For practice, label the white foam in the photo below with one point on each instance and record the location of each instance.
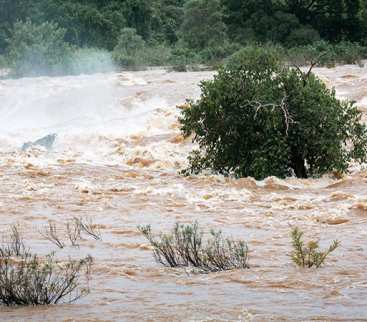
(87, 112)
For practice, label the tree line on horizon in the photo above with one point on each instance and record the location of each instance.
(210, 29)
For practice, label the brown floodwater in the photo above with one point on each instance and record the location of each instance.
(116, 161)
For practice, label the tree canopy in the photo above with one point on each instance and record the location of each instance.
(259, 118)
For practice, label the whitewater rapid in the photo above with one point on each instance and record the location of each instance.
(116, 161)
(91, 114)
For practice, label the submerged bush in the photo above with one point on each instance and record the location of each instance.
(15, 246)
(259, 118)
(34, 281)
(185, 247)
(309, 255)
(75, 228)
(27, 279)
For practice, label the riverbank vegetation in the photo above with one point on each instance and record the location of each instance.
(68, 37)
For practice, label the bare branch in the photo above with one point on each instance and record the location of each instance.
(73, 230)
(89, 227)
(304, 75)
(50, 233)
(283, 106)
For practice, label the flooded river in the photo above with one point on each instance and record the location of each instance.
(116, 160)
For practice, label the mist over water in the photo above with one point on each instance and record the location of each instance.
(79, 109)
(116, 160)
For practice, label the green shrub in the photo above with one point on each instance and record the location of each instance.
(181, 57)
(349, 53)
(268, 54)
(258, 118)
(213, 54)
(327, 54)
(302, 36)
(309, 255)
(157, 55)
(128, 50)
(38, 49)
(185, 247)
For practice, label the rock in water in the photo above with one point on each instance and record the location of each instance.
(46, 142)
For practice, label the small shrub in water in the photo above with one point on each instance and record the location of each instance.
(15, 247)
(309, 255)
(74, 230)
(27, 279)
(185, 247)
(51, 234)
(87, 226)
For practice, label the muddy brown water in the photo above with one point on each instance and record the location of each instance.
(116, 161)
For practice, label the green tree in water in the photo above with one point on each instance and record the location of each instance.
(258, 118)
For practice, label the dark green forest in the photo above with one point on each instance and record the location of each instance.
(177, 32)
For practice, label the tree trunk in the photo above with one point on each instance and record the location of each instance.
(298, 165)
